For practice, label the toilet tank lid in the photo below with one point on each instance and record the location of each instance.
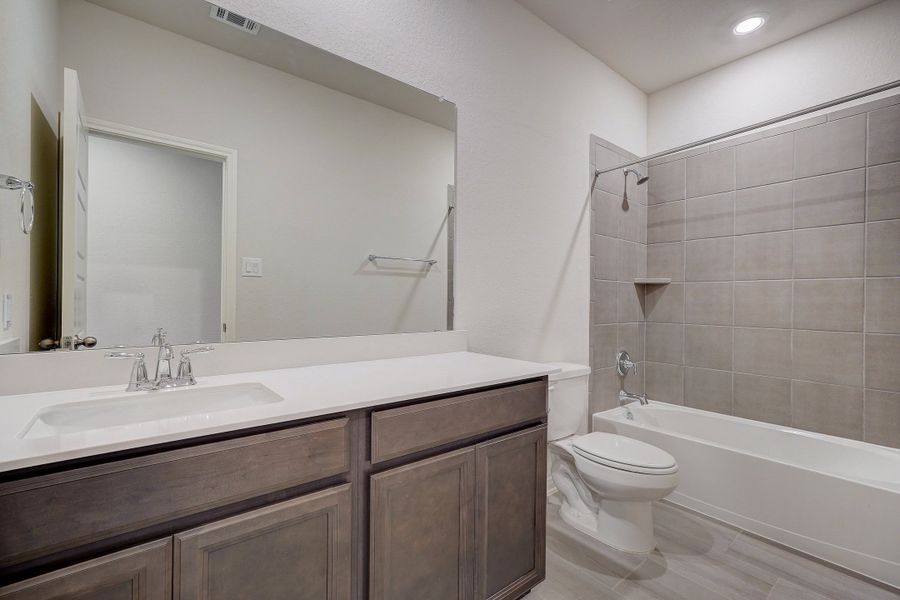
(568, 370)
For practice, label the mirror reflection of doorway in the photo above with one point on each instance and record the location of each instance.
(155, 242)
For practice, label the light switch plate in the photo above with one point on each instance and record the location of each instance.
(251, 267)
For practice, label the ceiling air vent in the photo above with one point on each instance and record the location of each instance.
(235, 20)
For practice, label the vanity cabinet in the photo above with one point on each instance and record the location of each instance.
(140, 573)
(462, 525)
(297, 550)
(440, 498)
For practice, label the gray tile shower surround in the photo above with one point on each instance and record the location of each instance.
(783, 247)
(696, 559)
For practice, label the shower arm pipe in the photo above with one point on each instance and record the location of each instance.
(748, 128)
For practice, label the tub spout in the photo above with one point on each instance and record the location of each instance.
(628, 398)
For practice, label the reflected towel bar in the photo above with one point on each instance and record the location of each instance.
(26, 216)
(429, 261)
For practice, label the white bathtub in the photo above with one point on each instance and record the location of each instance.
(830, 497)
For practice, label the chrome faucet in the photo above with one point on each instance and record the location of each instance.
(628, 398)
(624, 364)
(141, 382)
(163, 377)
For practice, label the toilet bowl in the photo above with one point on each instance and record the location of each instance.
(608, 482)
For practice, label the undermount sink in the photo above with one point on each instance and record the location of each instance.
(143, 407)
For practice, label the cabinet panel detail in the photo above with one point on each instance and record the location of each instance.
(407, 429)
(511, 493)
(422, 529)
(140, 573)
(42, 515)
(294, 550)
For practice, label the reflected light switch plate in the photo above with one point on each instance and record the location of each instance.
(251, 267)
(7, 311)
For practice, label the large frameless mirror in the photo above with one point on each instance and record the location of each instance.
(201, 172)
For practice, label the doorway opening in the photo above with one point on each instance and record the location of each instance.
(146, 187)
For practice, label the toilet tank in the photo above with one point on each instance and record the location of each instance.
(568, 400)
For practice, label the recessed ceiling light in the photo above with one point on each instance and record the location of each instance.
(748, 25)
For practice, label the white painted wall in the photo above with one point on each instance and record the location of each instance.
(28, 52)
(857, 52)
(324, 178)
(528, 100)
(154, 243)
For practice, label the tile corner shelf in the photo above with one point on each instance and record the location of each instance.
(652, 280)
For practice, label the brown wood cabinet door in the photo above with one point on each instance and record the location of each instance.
(140, 573)
(422, 530)
(294, 550)
(511, 495)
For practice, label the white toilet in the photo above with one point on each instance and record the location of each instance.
(608, 482)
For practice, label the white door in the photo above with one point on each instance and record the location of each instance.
(73, 259)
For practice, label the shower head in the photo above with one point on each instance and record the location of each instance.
(641, 179)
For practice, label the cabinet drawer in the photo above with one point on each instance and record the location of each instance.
(400, 431)
(47, 514)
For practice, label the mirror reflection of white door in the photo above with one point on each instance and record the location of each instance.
(73, 259)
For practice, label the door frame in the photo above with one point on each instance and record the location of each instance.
(228, 158)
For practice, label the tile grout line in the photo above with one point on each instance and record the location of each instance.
(592, 152)
(684, 304)
(642, 330)
(681, 572)
(865, 272)
(793, 275)
(733, 277)
(772, 589)
(629, 574)
(734, 540)
(811, 381)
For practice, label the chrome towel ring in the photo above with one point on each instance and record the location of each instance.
(26, 215)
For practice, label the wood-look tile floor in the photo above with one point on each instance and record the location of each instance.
(696, 559)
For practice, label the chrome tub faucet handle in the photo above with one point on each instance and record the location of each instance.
(624, 363)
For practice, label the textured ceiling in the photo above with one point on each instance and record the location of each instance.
(190, 18)
(656, 43)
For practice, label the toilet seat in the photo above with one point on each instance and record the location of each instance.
(625, 454)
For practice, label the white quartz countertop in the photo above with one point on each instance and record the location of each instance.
(307, 391)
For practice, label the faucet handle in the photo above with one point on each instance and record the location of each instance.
(139, 379)
(185, 369)
(137, 355)
(159, 338)
(624, 363)
(197, 350)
